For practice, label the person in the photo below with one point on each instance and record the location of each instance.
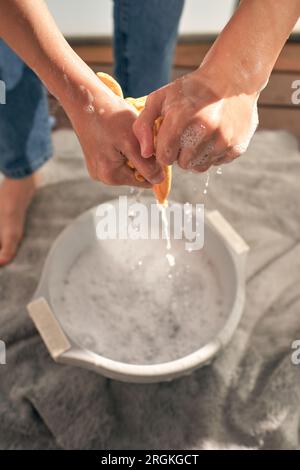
(144, 39)
(209, 115)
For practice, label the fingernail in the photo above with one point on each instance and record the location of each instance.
(146, 154)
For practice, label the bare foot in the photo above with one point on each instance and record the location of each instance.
(15, 197)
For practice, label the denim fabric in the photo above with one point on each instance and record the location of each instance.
(145, 34)
(25, 140)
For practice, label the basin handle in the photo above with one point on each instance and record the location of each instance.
(233, 239)
(48, 327)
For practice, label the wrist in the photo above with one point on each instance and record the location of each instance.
(71, 80)
(233, 75)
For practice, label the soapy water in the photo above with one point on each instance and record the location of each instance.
(134, 301)
(192, 136)
(165, 224)
(121, 299)
(137, 193)
(206, 184)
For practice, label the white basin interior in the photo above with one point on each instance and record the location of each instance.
(120, 299)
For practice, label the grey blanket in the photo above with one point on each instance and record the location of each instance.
(248, 398)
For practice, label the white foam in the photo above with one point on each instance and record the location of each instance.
(192, 136)
(140, 313)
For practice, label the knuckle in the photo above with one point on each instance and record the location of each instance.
(201, 160)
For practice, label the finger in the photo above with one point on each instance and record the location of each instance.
(220, 159)
(143, 125)
(229, 155)
(149, 168)
(168, 141)
(126, 176)
(189, 158)
(115, 171)
(202, 168)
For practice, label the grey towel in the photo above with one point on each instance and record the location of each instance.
(248, 398)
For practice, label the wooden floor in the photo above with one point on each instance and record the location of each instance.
(275, 105)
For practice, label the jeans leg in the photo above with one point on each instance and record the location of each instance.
(145, 34)
(25, 137)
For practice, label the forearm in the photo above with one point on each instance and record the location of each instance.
(29, 29)
(248, 47)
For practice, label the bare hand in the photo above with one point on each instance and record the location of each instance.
(103, 123)
(206, 121)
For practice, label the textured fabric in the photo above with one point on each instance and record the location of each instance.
(25, 140)
(145, 36)
(249, 397)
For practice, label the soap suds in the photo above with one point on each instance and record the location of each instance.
(192, 137)
(122, 299)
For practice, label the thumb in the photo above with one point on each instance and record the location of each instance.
(144, 124)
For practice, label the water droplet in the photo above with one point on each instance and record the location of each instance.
(171, 259)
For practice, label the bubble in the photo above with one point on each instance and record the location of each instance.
(192, 136)
(199, 161)
(89, 108)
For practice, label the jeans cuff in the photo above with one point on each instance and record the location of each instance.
(22, 172)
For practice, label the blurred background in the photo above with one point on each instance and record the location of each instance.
(88, 27)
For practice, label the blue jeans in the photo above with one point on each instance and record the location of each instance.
(25, 140)
(145, 35)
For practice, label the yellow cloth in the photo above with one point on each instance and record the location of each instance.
(161, 190)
